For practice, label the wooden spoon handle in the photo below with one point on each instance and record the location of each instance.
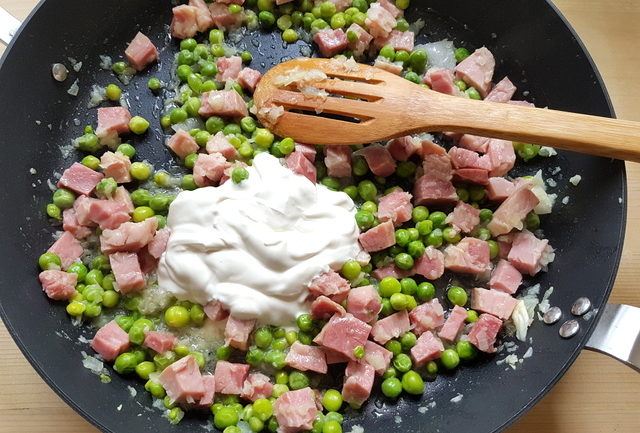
(594, 135)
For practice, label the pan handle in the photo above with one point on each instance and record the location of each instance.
(617, 334)
(9, 25)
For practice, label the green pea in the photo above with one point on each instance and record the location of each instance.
(406, 169)
(144, 369)
(426, 291)
(183, 71)
(119, 67)
(125, 363)
(461, 54)
(125, 322)
(412, 383)
(449, 359)
(364, 219)
(472, 93)
(141, 213)
(391, 387)
(486, 215)
(402, 25)
(367, 190)
(298, 380)
(106, 187)
(94, 276)
(141, 197)
(435, 238)
(402, 362)
(75, 308)
(404, 261)
(457, 296)
(266, 19)
(110, 298)
(63, 198)
(472, 316)
(196, 314)
(388, 51)
(389, 286)
(359, 167)
(358, 352)
(304, 322)
(413, 77)
(331, 427)
(451, 235)
(334, 416)
(332, 400)
(155, 389)
(438, 219)
(415, 249)
(138, 329)
(327, 10)
(483, 234)
(177, 316)
(225, 417)
(188, 183)
(331, 183)
(466, 351)
(223, 353)
(351, 191)
(54, 211)
(351, 270)
(138, 125)
(164, 360)
(418, 60)
(494, 249)
(532, 221)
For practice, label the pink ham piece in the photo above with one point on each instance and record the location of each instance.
(81, 207)
(80, 179)
(360, 45)
(295, 410)
(67, 248)
(182, 144)
(338, 160)
(70, 224)
(502, 156)
(427, 316)
(402, 148)
(454, 323)
(464, 217)
(237, 331)
(391, 8)
(108, 214)
(358, 382)
(331, 42)
(377, 357)
(185, 22)
(391, 327)
(249, 78)
(322, 308)
(395, 207)
(330, 284)
(364, 303)
(141, 52)
(298, 163)
(209, 169)
(400, 41)
(428, 147)
(158, 244)
(512, 212)
(343, 334)
(306, 358)
(474, 142)
(471, 175)
(441, 80)
(529, 254)
(228, 68)
(308, 150)
(126, 269)
(129, 236)
(159, 341)
(379, 160)
(123, 197)
(429, 190)
(378, 238)
(182, 381)
(392, 270)
(225, 103)
(484, 332)
(112, 121)
(427, 348)
(256, 386)
(494, 302)
(216, 311)
(464, 158)
(110, 341)
(501, 92)
(430, 265)
(505, 278)
(58, 284)
(219, 143)
(230, 377)
(477, 70)
(469, 256)
(204, 20)
(222, 17)
(386, 65)
(499, 188)
(116, 165)
(334, 357)
(148, 263)
(379, 21)
(209, 384)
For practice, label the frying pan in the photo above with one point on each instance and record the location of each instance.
(533, 45)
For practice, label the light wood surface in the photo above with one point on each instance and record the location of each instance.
(597, 395)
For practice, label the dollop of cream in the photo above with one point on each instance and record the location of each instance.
(256, 245)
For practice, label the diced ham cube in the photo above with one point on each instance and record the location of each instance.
(469, 256)
(222, 17)
(158, 245)
(129, 236)
(203, 16)
(377, 357)
(209, 169)
(182, 381)
(331, 42)
(379, 21)
(306, 358)
(499, 188)
(58, 284)
(108, 214)
(330, 284)
(219, 143)
(256, 386)
(338, 161)
(334, 357)
(501, 92)
(126, 268)
(494, 302)
(379, 160)
(209, 384)
(67, 248)
(82, 206)
(471, 175)
(110, 341)
(474, 142)
(477, 70)
(308, 150)
(441, 80)
(427, 316)
(437, 166)
(123, 197)
(428, 147)
(112, 121)
(70, 224)
(237, 331)
(400, 41)
(512, 212)
(529, 254)
(430, 265)
(185, 22)
(387, 65)
(402, 148)
(116, 165)
(225, 103)
(464, 158)
(296, 410)
(298, 163)
(378, 238)
(502, 156)
(323, 308)
(395, 207)
(182, 144)
(392, 270)
(391, 327)
(159, 341)
(80, 179)
(358, 382)
(484, 332)
(148, 263)
(430, 190)
(230, 377)
(364, 303)
(360, 45)
(343, 334)
(216, 311)
(454, 324)
(505, 278)
(464, 217)
(427, 348)
(249, 78)
(391, 8)
(228, 68)
(141, 52)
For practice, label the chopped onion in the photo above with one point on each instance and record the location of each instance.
(440, 54)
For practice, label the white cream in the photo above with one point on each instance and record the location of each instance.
(256, 245)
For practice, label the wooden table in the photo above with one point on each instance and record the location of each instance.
(598, 394)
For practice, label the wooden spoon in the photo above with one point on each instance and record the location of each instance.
(376, 105)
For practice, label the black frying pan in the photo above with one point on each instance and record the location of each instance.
(534, 46)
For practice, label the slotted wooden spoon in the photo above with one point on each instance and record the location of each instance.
(376, 105)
